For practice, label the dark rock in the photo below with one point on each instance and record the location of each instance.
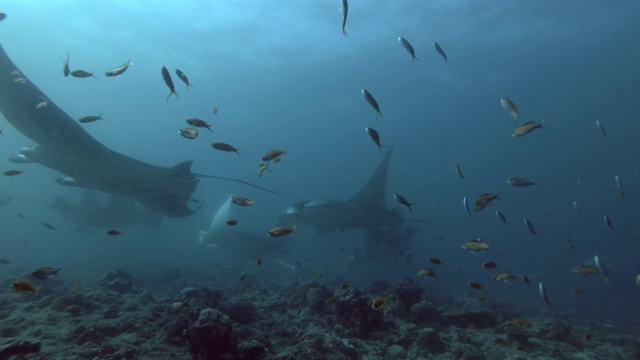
(111, 313)
(353, 310)
(117, 281)
(80, 300)
(18, 348)
(176, 328)
(430, 340)
(243, 312)
(74, 310)
(188, 293)
(408, 293)
(9, 331)
(210, 335)
(556, 330)
(380, 286)
(317, 298)
(466, 311)
(251, 350)
(423, 312)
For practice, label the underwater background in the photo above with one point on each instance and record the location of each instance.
(283, 75)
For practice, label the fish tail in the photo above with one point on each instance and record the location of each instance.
(173, 92)
(345, 33)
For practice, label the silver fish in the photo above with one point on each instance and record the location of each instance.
(119, 70)
(90, 118)
(440, 51)
(543, 294)
(530, 227)
(407, 45)
(372, 101)
(608, 222)
(167, 80)
(601, 267)
(619, 186)
(459, 171)
(188, 133)
(527, 128)
(375, 137)
(501, 216)
(466, 206)
(402, 200)
(511, 108)
(345, 13)
(602, 130)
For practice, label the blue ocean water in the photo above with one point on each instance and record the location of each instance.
(283, 76)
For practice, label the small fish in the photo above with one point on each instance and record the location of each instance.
(503, 276)
(426, 273)
(637, 280)
(167, 80)
(82, 74)
(225, 147)
(199, 123)
(403, 201)
(13, 172)
(188, 133)
(484, 200)
(176, 306)
(523, 323)
(4, 261)
(608, 222)
(232, 222)
(440, 51)
(372, 101)
(501, 216)
(44, 273)
(119, 70)
(602, 130)
(476, 245)
(273, 154)
(345, 13)
(184, 78)
(244, 275)
(261, 169)
(521, 182)
(2, 16)
(616, 178)
(90, 119)
(459, 171)
(65, 66)
(466, 206)
(489, 264)
(585, 270)
(529, 226)
(407, 45)
(48, 226)
(435, 260)
(375, 137)
(42, 104)
(378, 303)
(114, 232)
(543, 294)
(601, 267)
(24, 286)
(574, 205)
(510, 107)
(279, 231)
(524, 278)
(214, 111)
(241, 201)
(528, 127)
(475, 285)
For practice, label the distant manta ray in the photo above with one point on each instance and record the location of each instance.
(242, 242)
(63, 145)
(366, 210)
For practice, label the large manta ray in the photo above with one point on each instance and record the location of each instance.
(366, 210)
(62, 145)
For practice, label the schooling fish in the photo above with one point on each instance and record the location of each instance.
(167, 80)
(402, 200)
(82, 74)
(528, 127)
(501, 216)
(601, 267)
(372, 101)
(608, 222)
(466, 206)
(521, 182)
(44, 273)
(199, 123)
(511, 108)
(188, 133)
(619, 186)
(440, 51)
(65, 66)
(90, 119)
(375, 136)
(119, 70)
(407, 45)
(602, 130)
(345, 13)
(529, 226)
(184, 78)
(459, 171)
(543, 294)
(225, 147)
(484, 200)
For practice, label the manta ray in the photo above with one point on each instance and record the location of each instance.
(365, 210)
(120, 210)
(63, 145)
(240, 241)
